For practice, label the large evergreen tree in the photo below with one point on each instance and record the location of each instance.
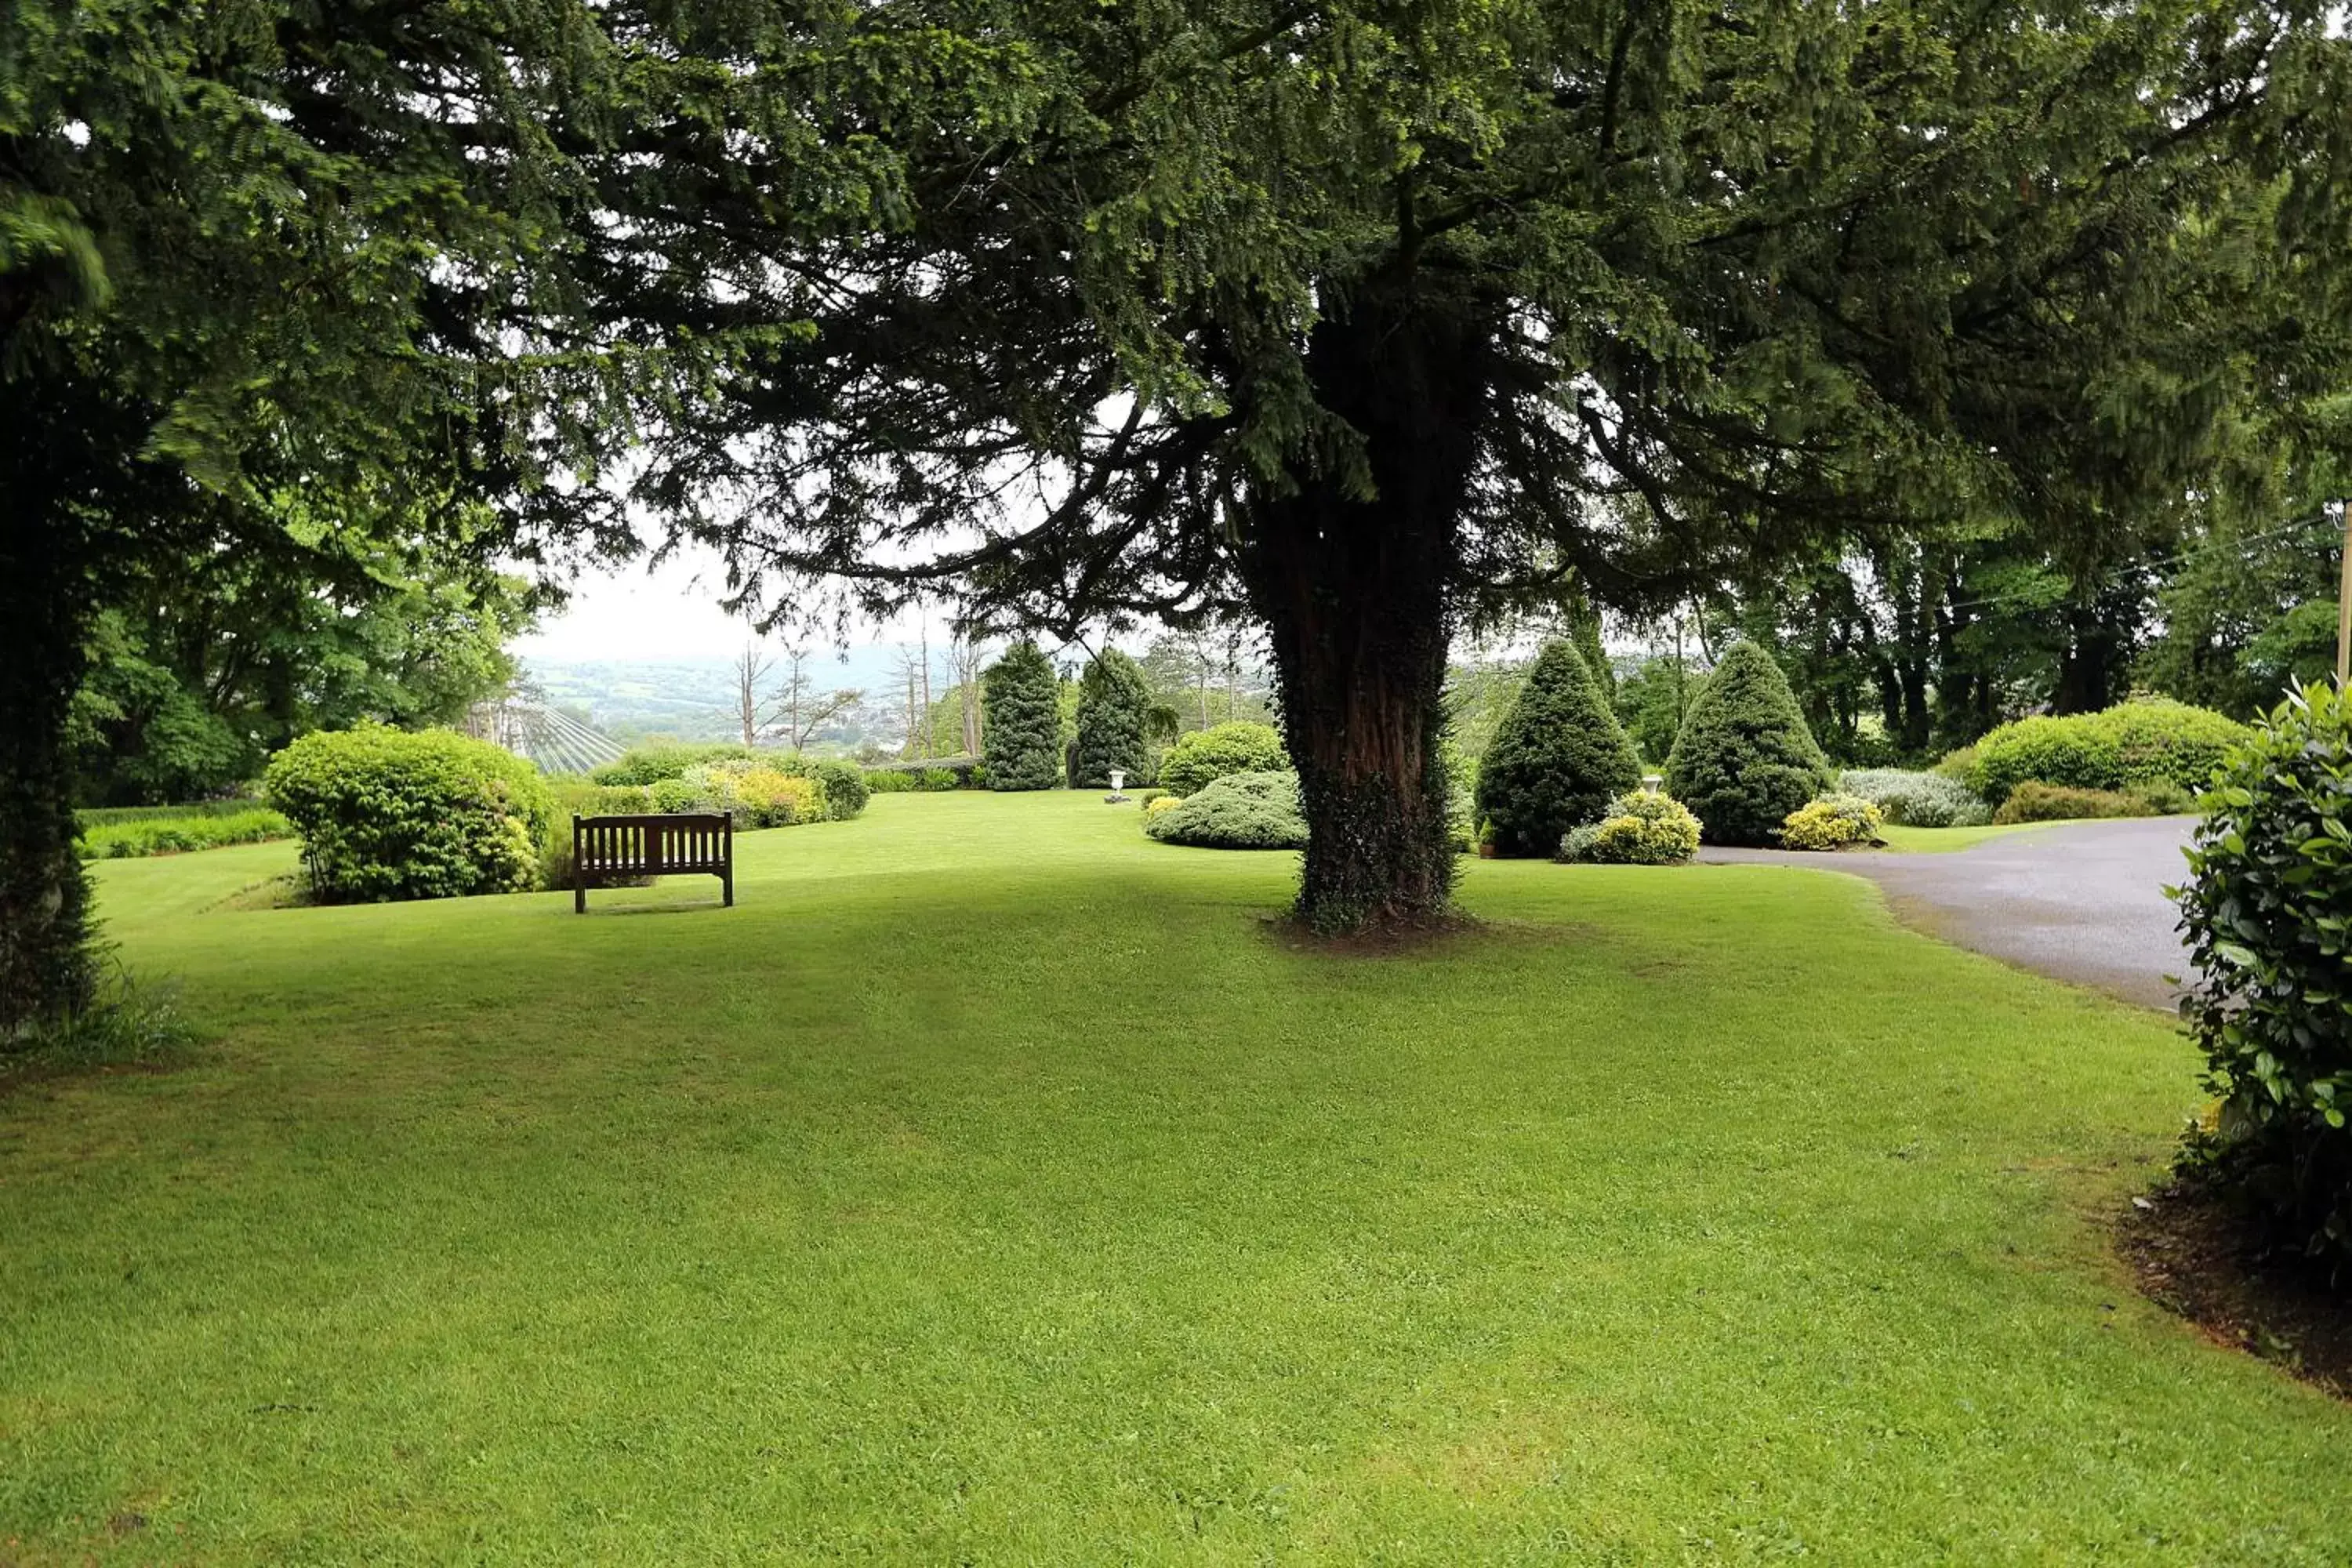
(1022, 730)
(1114, 720)
(1374, 316)
(1557, 759)
(1745, 759)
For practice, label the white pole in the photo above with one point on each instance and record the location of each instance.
(2344, 604)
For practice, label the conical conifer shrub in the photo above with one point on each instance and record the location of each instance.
(1021, 701)
(1557, 757)
(1745, 759)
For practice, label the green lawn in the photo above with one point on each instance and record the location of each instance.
(1943, 840)
(989, 1186)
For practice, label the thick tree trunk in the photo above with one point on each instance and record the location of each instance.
(47, 966)
(1355, 592)
(2086, 668)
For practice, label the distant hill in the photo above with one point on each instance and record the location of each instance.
(694, 698)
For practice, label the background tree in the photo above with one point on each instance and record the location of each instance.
(752, 666)
(1556, 758)
(1024, 731)
(1114, 721)
(800, 707)
(1374, 318)
(1745, 759)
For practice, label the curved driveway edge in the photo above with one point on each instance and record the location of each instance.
(2082, 901)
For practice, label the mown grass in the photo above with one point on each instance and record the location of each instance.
(1944, 840)
(990, 1185)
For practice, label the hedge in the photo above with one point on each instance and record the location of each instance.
(2146, 742)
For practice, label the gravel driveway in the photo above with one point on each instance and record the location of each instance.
(2080, 901)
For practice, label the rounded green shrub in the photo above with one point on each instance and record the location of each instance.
(2267, 911)
(1197, 759)
(1833, 822)
(1114, 717)
(1638, 829)
(1745, 759)
(1558, 758)
(390, 814)
(1917, 799)
(1021, 704)
(2146, 742)
(845, 789)
(1240, 811)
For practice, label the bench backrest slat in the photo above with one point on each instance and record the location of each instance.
(613, 847)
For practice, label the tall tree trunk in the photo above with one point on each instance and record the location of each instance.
(48, 968)
(2086, 668)
(1355, 594)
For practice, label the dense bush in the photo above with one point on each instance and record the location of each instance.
(172, 835)
(2267, 910)
(2141, 742)
(1558, 758)
(1240, 811)
(390, 814)
(1197, 759)
(1833, 822)
(1745, 759)
(2035, 800)
(115, 816)
(1021, 699)
(659, 760)
(888, 781)
(844, 786)
(1638, 829)
(578, 797)
(929, 774)
(1114, 721)
(1917, 799)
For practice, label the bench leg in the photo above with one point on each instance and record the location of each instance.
(726, 890)
(578, 895)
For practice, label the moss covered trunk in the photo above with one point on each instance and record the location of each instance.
(47, 966)
(1354, 582)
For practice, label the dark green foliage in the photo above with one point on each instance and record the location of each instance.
(1239, 811)
(392, 813)
(1558, 757)
(2132, 743)
(844, 788)
(929, 774)
(1745, 759)
(2035, 802)
(1651, 701)
(1115, 706)
(1202, 756)
(2267, 910)
(659, 760)
(1021, 721)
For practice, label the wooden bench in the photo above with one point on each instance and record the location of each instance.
(610, 849)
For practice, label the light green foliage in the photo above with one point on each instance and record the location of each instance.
(390, 814)
(2033, 801)
(1745, 760)
(1203, 755)
(2267, 910)
(1651, 701)
(1021, 707)
(1917, 799)
(1113, 722)
(1638, 829)
(1833, 822)
(164, 834)
(2147, 741)
(1091, 1155)
(1238, 811)
(659, 760)
(1557, 759)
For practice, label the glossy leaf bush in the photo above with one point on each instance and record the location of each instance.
(390, 813)
(2267, 911)
(2149, 742)
(1205, 755)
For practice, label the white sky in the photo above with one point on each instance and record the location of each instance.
(638, 614)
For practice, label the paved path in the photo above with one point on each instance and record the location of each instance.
(2080, 901)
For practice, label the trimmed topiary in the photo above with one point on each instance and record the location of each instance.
(389, 814)
(2267, 910)
(1204, 755)
(1558, 758)
(1021, 699)
(1240, 811)
(1745, 759)
(1114, 710)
